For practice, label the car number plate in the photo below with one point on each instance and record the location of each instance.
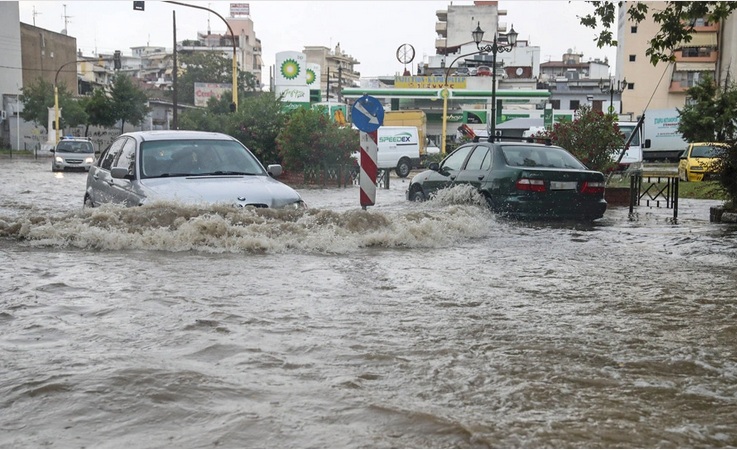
(563, 185)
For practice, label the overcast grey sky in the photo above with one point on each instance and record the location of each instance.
(370, 31)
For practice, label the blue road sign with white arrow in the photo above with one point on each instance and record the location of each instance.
(367, 114)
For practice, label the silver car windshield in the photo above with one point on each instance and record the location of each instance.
(199, 157)
(74, 147)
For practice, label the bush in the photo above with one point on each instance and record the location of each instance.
(593, 137)
(310, 138)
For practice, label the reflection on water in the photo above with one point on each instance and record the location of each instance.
(406, 325)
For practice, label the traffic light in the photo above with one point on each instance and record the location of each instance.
(116, 60)
(138, 6)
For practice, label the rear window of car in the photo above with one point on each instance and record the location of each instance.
(531, 156)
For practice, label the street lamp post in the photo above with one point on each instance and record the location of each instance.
(621, 85)
(56, 97)
(495, 47)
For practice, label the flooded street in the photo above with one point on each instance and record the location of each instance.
(408, 325)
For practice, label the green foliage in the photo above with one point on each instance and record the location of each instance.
(99, 110)
(310, 138)
(257, 123)
(128, 101)
(675, 20)
(709, 116)
(38, 96)
(593, 137)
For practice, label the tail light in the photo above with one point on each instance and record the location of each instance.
(592, 187)
(528, 184)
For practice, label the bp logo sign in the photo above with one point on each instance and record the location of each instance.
(290, 69)
(310, 76)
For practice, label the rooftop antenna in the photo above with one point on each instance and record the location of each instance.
(35, 13)
(209, 6)
(66, 20)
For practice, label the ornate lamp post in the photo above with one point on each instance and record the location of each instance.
(621, 85)
(495, 47)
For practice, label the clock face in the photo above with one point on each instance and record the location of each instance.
(519, 71)
(405, 53)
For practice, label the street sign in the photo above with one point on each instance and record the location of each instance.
(367, 114)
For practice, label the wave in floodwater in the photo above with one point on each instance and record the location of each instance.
(457, 213)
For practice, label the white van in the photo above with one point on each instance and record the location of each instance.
(398, 149)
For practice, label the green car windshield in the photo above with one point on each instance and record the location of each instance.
(532, 156)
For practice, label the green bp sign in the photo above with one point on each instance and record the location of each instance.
(291, 69)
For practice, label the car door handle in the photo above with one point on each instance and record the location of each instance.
(452, 178)
(481, 177)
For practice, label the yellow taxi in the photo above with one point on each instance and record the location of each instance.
(698, 162)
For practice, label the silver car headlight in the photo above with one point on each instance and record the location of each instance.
(59, 159)
(296, 205)
(89, 160)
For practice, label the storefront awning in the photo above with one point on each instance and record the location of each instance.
(701, 40)
(695, 67)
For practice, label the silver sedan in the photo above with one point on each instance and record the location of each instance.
(187, 167)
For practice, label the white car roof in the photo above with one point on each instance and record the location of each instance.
(168, 135)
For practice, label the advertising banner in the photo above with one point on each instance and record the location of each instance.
(293, 96)
(240, 9)
(434, 82)
(291, 69)
(203, 92)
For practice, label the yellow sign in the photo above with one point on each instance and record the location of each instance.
(434, 82)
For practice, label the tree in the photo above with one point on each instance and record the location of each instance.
(710, 115)
(676, 22)
(128, 101)
(38, 97)
(201, 67)
(310, 138)
(257, 123)
(99, 110)
(593, 137)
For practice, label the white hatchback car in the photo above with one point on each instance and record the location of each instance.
(187, 167)
(72, 153)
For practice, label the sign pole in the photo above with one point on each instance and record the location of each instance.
(369, 168)
(367, 115)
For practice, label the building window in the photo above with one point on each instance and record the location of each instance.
(555, 104)
(633, 58)
(691, 52)
(630, 86)
(575, 104)
(633, 29)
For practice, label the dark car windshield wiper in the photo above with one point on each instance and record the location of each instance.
(226, 172)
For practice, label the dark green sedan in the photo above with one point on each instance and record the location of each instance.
(519, 179)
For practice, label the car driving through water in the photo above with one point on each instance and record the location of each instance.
(187, 167)
(519, 179)
(72, 153)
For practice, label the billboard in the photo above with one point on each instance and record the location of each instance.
(240, 9)
(291, 69)
(203, 92)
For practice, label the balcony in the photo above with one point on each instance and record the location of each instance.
(442, 15)
(442, 28)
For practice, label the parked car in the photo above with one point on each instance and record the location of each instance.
(483, 71)
(187, 167)
(461, 72)
(698, 162)
(519, 179)
(72, 153)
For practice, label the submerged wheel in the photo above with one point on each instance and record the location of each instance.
(416, 194)
(403, 168)
(88, 202)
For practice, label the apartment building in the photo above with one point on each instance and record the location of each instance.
(711, 51)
